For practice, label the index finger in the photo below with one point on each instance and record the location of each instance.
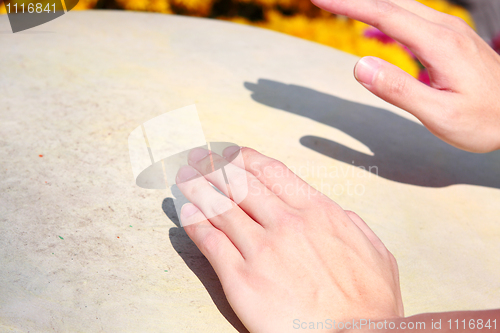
(411, 28)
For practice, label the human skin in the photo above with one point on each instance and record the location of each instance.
(461, 105)
(285, 255)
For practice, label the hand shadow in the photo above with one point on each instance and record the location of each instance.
(404, 151)
(197, 262)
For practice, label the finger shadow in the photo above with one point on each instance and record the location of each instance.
(199, 265)
(403, 151)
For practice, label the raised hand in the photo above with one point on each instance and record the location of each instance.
(462, 104)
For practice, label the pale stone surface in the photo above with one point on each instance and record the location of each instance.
(74, 88)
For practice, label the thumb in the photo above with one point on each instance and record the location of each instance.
(397, 87)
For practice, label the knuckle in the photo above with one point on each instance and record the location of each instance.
(391, 259)
(352, 214)
(248, 154)
(205, 167)
(238, 179)
(334, 213)
(384, 9)
(273, 167)
(268, 169)
(457, 22)
(211, 242)
(397, 85)
(257, 169)
(264, 248)
(462, 42)
(328, 206)
(262, 166)
(194, 191)
(216, 162)
(290, 221)
(385, 254)
(457, 40)
(220, 206)
(250, 158)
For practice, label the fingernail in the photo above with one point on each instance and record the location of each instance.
(321, 3)
(197, 155)
(229, 151)
(365, 69)
(185, 173)
(188, 210)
